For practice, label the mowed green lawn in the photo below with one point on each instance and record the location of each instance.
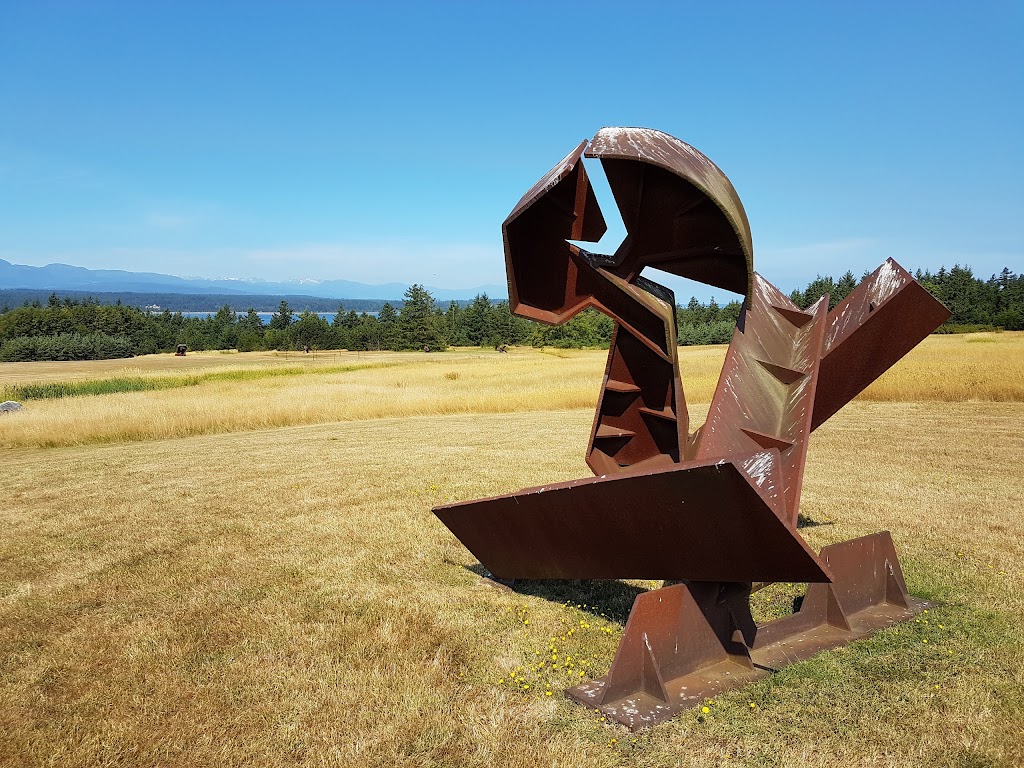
(285, 597)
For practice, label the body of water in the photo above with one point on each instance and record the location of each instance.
(265, 316)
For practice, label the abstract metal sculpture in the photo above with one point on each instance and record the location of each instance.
(715, 509)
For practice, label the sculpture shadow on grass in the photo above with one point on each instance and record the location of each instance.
(608, 598)
(804, 521)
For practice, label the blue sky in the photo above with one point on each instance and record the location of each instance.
(387, 141)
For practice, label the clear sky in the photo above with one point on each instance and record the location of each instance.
(387, 142)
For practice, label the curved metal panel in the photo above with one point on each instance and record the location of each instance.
(688, 241)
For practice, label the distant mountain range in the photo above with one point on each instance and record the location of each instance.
(64, 277)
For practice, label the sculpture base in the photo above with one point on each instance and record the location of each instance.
(689, 642)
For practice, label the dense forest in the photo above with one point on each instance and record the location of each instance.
(74, 329)
(71, 329)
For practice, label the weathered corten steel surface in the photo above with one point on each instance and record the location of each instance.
(548, 278)
(716, 508)
(765, 396)
(683, 216)
(885, 317)
(641, 419)
(681, 212)
(644, 524)
(682, 644)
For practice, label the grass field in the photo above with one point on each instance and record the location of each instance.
(164, 397)
(245, 570)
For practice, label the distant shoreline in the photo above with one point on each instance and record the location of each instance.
(200, 302)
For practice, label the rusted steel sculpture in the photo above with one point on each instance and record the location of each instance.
(715, 509)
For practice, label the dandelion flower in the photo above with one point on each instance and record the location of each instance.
(705, 710)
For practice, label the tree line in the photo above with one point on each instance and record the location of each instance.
(72, 329)
(976, 304)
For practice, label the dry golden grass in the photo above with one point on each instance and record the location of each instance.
(410, 386)
(284, 597)
(157, 365)
(946, 368)
(957, 368)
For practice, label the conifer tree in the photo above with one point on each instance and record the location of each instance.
(281, 319)
(417, 321)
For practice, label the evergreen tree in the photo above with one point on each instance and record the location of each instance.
(365, 333)
(455, 326)
(818, 288)
(339, 313)
(508, 329)
(478, 321)
(281, 319)
(711, 313)
(844, 287)
(250, 332)
(1005, 279)
(417, 321)
(252, 322)
(225, 316)
(310, 330)
(222, 333)
(389, 332)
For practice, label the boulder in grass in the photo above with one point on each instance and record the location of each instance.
(9, 405)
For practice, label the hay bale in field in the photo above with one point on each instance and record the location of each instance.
(9, 405)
